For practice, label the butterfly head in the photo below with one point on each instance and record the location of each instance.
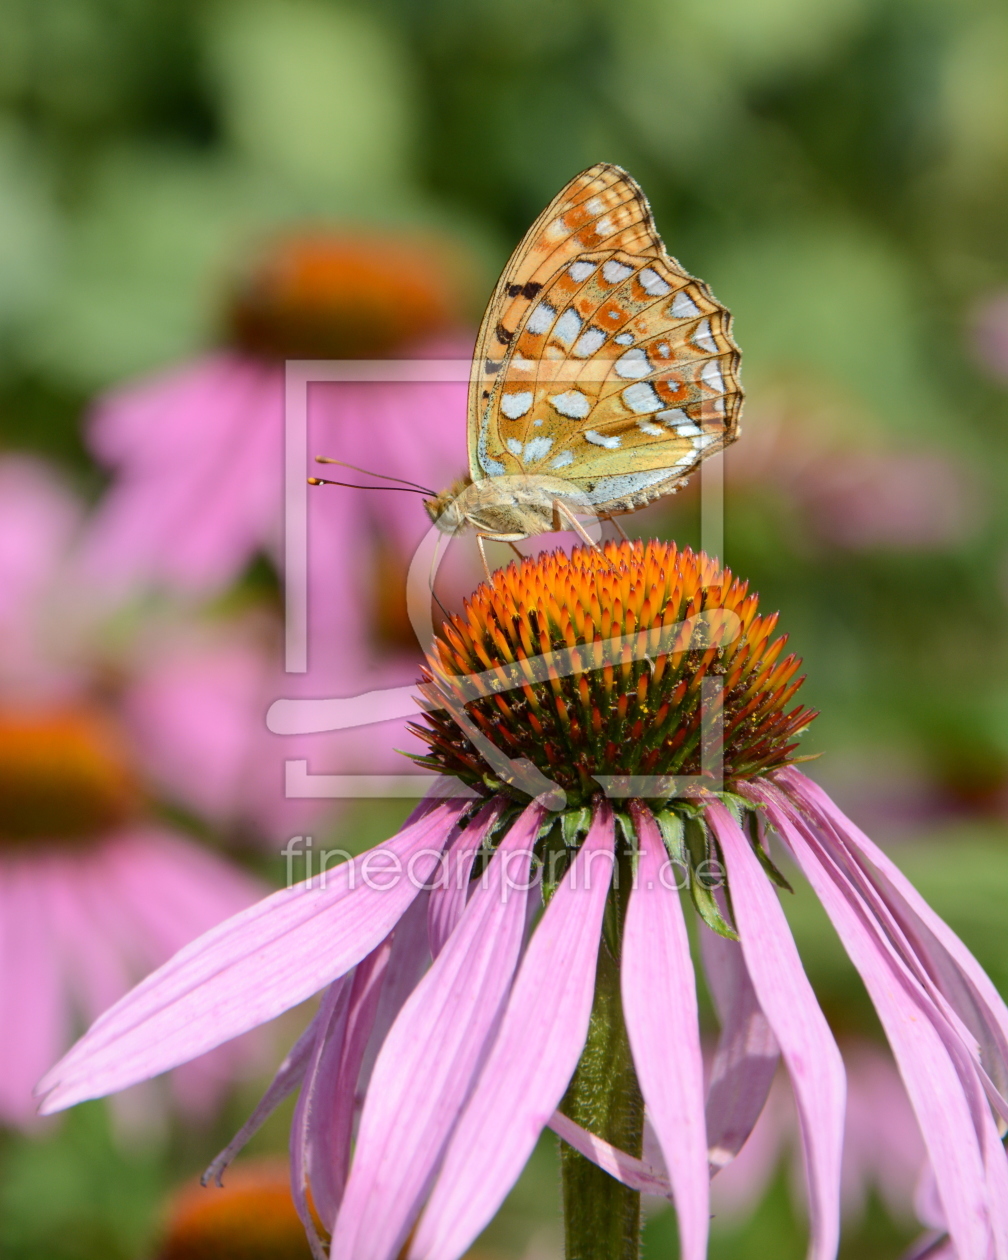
(447, 509)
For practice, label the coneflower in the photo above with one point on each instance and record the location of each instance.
(648, 672)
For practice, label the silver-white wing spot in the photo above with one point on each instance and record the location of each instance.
(573, 404)
(623, 339)
(568, 326)
(537, 449)
(604, 227)
(704, 338)
(642, 398)
(653, 284)
(608, 488)
(652, 430)
(595, 205)
(683, 306)
(711, 376)
(689, 430)
(563, 459)
(704, 440)
(674, 415)
(514, 446)
(520, 364)
(613, 272)
(541, 319)
(589, 342)
(516, 405)
(633, 365)
(580, 270)
(610, 441)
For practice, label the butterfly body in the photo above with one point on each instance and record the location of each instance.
(604, 372)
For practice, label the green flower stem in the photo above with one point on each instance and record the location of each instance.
(602, 1216)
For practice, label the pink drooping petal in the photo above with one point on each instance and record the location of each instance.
(432, 1055)
(448, 897)
(96, 969)
(195, 712)
(740, 1186)
(903, 950)
(964, 983)
(329, 1028)
(32, 998)
(660, 1008)
(409, 959)
(541, 1037)
(287, 1078)
(199, 451)
(253, 967)
(996, 1165)
(958, 1039)
(933, 1084)
(333, 1104)
(747, 1052)
(785, 995)
(638, 1174)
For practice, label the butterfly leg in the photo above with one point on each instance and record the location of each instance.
(564, 518)
(483, 556)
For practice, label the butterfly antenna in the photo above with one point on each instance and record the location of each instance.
(326, 459)
(350, 485)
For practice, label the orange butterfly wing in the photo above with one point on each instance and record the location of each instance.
(600, 360)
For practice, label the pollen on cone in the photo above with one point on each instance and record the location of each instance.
(595, 664)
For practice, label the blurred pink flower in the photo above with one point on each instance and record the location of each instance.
(990, 335)
(856, 495)
(199, 452)
(883, 1150)
(198, 457)
(94, 892)
(198, 461)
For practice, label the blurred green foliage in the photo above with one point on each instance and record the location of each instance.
(836, 169)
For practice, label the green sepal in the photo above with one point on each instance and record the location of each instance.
(626, 825)
(736, 805)
(704, 900)
(574, 824)
(670, 824)
(556, 856)
(764, 858)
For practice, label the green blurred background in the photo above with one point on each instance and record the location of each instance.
(837, 170)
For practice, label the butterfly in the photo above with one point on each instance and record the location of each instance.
(603, 374)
